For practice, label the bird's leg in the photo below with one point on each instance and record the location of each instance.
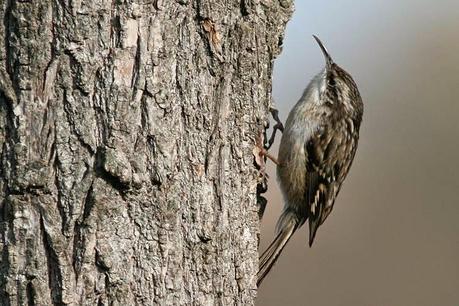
(265, 147)
(263, 152)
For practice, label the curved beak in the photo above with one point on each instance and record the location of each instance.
(327, 56)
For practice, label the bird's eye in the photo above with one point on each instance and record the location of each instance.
(331, 82)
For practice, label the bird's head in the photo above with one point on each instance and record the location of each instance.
(337, 86)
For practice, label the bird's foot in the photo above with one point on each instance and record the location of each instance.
(260, 151)
(278, 126)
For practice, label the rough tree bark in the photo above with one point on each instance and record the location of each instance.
(126, 137)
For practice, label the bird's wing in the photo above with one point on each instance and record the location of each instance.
(323, 168)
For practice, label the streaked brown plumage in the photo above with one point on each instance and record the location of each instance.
(316, 151)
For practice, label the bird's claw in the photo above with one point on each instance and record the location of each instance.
(278, 126)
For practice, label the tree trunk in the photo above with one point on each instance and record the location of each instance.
(126, 137)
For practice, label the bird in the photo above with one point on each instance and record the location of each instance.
(316, 151)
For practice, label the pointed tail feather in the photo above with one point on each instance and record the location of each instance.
(287, 225)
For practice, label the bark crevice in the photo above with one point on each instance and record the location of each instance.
(8, 26)
(52, 260)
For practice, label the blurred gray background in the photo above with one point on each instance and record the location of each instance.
(393, 236)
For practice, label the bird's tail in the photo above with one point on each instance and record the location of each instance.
(286, 226)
